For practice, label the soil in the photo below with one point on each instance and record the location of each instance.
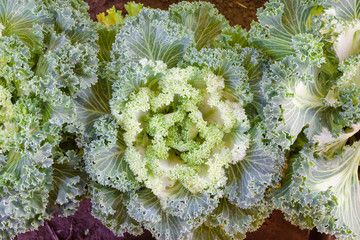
(238, 12)
(80, 226)
(83, 226)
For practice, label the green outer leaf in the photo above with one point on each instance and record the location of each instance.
(255, 65)
(340, 175)
(249, 179)
(109, 205)
(232, 37)
(18, 19)
(346, 9)
(25, 182)
(226, 63)
(145, 207)
(237, 221)
(129, 80)
(188, 206)
(279, 22)
(105, 42)
(202, 18)
(69, 67)
(105, 162)
(17, 160)
(15, 65)
(303, 199)
(69, 183)
(60, 112)
(206, 232)
(91, 104)
(290, 198)
(71, 17)
(153, 36)
(297, 97)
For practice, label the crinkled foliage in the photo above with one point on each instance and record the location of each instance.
(180, 121)
(47, 55)
(173, 132)
(312, 109)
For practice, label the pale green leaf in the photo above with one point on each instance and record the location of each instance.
(153, 36)
(249, 179)
(109, 205)
(145, 207)
(106, 163)
(91, 104)
(202, 18)
(279, 22)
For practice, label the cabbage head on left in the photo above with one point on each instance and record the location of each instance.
(47, 55)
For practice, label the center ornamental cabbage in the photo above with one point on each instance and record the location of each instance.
(173, 133)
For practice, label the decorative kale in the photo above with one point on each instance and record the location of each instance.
(178, 123)
(312, 93)
(173, 132)
(47, 55)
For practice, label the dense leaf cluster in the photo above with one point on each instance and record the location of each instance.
(312, 94)
(177, 122)
(47, 55)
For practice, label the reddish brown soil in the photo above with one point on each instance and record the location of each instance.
(82, 226)
(79, 226)
(277, 228)
(238, 12)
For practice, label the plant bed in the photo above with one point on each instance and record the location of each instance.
(82, 225)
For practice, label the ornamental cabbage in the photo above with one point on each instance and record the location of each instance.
(173, 131)
(47, 55)
(312, 93)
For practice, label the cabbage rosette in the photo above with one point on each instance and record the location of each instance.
(313, 110)
(46, 57)
(173, 132)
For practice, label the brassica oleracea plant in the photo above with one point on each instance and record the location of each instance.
(47, 55)
(312, 93)
(176, 122)
(173, 133)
